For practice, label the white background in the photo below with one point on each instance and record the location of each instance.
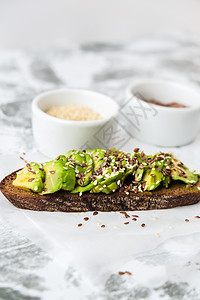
(43, 23)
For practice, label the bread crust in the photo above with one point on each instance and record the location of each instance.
(161, 198)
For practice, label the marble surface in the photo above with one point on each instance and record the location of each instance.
(27, 271)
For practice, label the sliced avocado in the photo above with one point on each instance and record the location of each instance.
(69, 176)
(113, 177)
(58, 175)
(153, 179)
(142, 165)
(30, 178)
(83, 165)
(69, 180)
(166, 180)
(159, 172)
(100, 170)
(138, 174)
(106, 182)
(98, 157)
(110, 188)
(82, 189)
(180, 172)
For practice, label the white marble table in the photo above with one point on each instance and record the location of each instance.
(27, 271)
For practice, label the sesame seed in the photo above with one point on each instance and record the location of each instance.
(35, 188)
(126, 223)
(79, 225)
(153, 218)
(157, 234)
(80, 194)
(186, 220)
(95, 213)
(134, 219)
(197, 217)
(86, 219)
(103, 226)
(143, 225)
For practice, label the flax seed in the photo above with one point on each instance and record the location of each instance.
(31, 179)
(128, 273)
(121, 273)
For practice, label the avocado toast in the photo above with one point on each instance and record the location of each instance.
(103, 180)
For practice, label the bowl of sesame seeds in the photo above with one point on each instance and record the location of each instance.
(66, 119)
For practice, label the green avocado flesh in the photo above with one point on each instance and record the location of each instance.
(104, 171)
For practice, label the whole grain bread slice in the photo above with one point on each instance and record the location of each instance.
(161, 198)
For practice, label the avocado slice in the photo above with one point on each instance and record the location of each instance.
(100, 171)
(30, 178)
(159, 171)
(111, 188)
(58, 174)
(112, 177)
(153, 179)
(180, 172)
(69, 180)
(103, 184)
(142, 165)
(95, 159)
(83, 165)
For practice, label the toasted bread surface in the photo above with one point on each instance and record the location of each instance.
(161, 198)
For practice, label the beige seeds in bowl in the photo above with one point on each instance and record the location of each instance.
(73, 112)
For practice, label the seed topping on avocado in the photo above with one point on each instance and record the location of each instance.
(106, 171)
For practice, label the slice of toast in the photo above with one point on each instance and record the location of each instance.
(161, 198)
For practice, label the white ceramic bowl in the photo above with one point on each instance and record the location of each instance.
(160, 125)
(56, 136)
